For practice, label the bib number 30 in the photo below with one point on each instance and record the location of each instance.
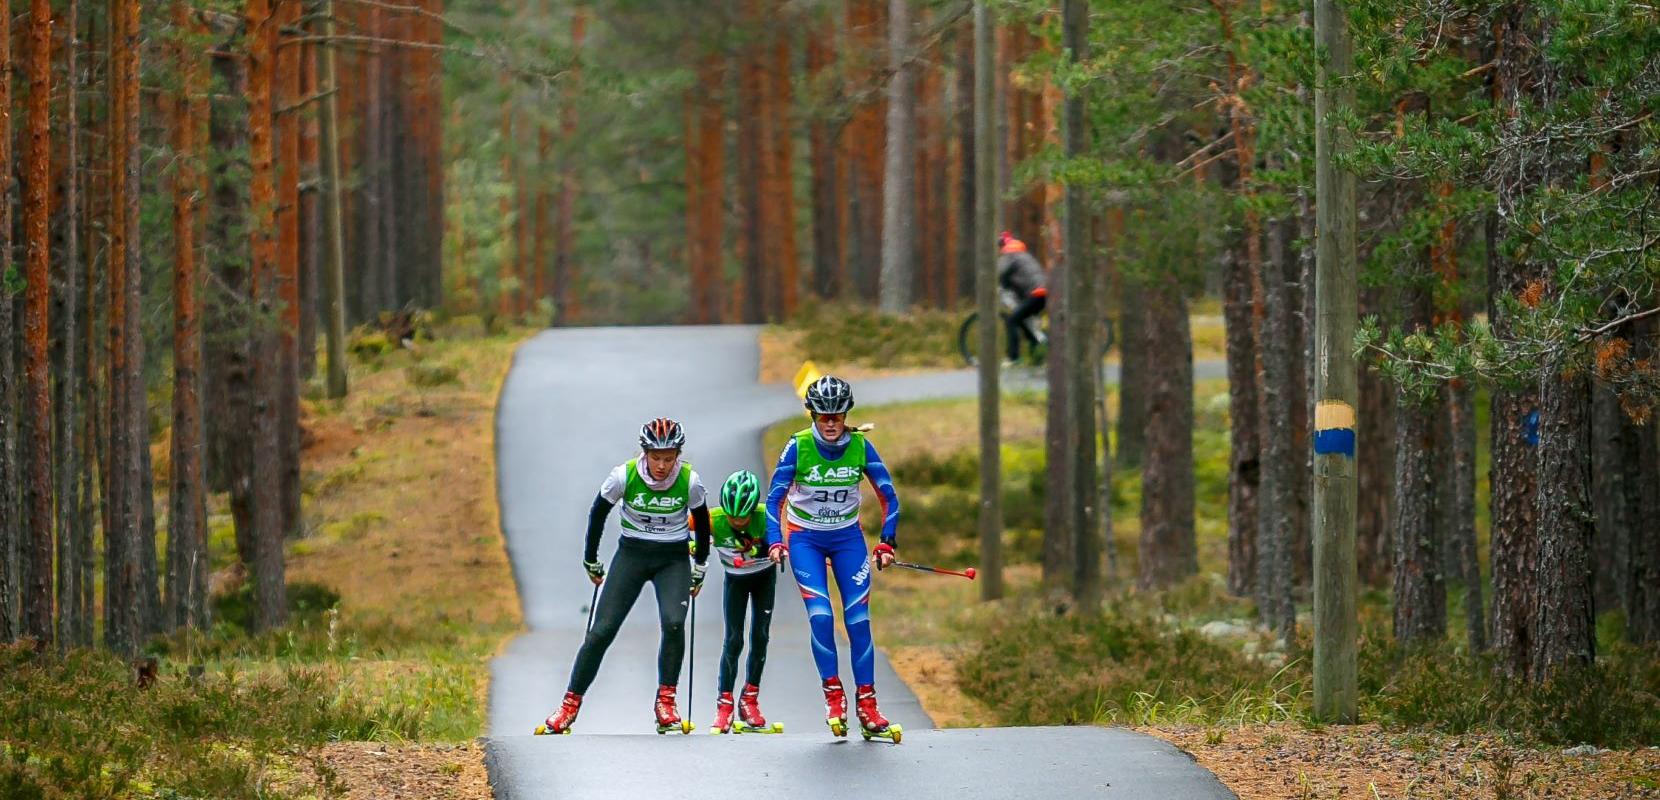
(827, 496)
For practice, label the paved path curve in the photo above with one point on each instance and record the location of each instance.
(569, 412)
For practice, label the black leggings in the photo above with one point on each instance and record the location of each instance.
(756, 591)
(669, 569)
(1028, 308)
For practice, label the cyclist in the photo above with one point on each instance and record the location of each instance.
(1019, 272)
(656, 491)
(814, 500)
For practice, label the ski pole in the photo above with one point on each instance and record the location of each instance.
(691, 677)
(967, 573)
(591, 603)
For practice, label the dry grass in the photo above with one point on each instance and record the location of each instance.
(364, 771)
(1269, 762)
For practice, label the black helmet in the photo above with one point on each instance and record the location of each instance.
(662, 434)
(829, 395)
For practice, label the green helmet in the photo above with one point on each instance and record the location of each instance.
(740, 493)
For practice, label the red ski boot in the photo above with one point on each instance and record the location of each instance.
(561, 721)
(871, 722)
(749, 713)
(723, 714)
(668, 717)
(835, 706)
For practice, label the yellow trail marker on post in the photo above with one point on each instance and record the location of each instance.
(805, 377)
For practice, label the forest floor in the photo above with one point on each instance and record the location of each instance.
(857, 343)
(1186, 665)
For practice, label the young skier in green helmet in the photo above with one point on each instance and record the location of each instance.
(751, 584)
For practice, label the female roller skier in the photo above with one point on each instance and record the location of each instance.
(656, 490)
(751, 584)
(813, 514)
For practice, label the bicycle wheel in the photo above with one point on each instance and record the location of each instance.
(968, 338)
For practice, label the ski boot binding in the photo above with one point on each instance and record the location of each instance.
(835, 707)
(872, 725)
(723, 716)
(668, 717)
(749, 713)
(561, 721)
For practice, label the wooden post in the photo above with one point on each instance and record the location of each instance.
(334, 250)
(1335, 625)
(985, 200)
(1082, 321)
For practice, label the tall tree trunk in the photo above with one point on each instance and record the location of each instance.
(539, 233)
(1564, 625)
(187, 555)
(1642, 579)
(1461, 425)
(1133, 374)
(1375, 466)
(567, 308)
(1058, 533)
(1169, 549)
(311, 209)
(705, 185)
(1244, 417)
(1610, 474)
(287, 104)
(865, 139)
(985, 292)
(829, 266)
(9, 510)
(38, 617)
(968, 246)
(269, 588)
(334, 248)
(1276, 529)
(782, 194)
(66, 401)
(898, 212)
(1420, 591)
(1083, 356)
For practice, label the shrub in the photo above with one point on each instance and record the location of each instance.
(237, 608)
(430, 376)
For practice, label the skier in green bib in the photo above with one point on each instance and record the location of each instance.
(659, 495)
(751, 585)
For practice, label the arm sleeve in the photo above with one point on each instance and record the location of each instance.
(596, 526)
(782, 476)
(877, 473)
(612, 488)
(700, 530)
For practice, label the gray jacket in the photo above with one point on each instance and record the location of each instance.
(1019, 273)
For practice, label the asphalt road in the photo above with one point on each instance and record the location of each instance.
(569, 411)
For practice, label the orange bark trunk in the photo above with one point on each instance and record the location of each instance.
(37, 378)
(569, 276)
(782, 202)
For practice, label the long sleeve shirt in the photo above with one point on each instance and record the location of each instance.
(876, 471)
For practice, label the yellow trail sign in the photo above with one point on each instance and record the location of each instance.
(805, 377)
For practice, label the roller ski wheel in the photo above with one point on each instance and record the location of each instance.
(668, 716)
(872, 725)
(560, 722)
(750, 719)
(723, 716)
(835, 707)
(893, 733)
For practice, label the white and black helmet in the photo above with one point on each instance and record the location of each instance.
(662, 434)
(830, 395)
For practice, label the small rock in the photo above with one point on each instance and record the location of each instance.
(1583, 751)
(1222, 629)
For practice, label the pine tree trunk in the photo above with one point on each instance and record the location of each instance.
(898, 212)
(1514, 483)
(311, 211)
(1376, 466)
(968, 247)
(187, 555)
(266, 474)
(1277, 506)
(1244, 418)
(1083, 355)
(334, 246)
(782, 201)
(38, 617)
(1609, 477)
(1420, 591)
(1169, 549)
(1058, 534)
(705, 185)
(71, 623)
(829, 267)
(1564, 623)
(1461, 424)
(9, 509)
(286, 104)
(866, 134)
(1133, 375)
(567, 308)
(1642, 579)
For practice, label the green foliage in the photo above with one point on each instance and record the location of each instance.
(76, 726)
(854, 335)
(369, 345)
(237, 608)
(432, 376)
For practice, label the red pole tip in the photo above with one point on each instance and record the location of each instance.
(969, 572)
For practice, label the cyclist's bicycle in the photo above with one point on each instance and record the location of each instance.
(968, 335)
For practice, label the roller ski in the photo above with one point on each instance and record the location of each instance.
(749, 713)
(723, 715)
(668, 717)
(872, 725)
(835, 707)
(561, 721)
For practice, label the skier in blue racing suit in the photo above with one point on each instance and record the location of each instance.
(813, 514)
